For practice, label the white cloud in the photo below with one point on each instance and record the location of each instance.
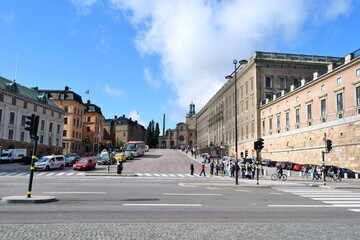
(114, 92)
(134, 115)
(83, 6)
(197, 40)
(154, 83)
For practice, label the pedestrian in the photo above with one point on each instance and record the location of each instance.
(119, 167)
(217, 167)
(221, 168)
(191, 168)
(313, 172)
(232, 170)
(212, 166)
(203, 169)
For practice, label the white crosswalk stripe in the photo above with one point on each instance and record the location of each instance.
(334, 197)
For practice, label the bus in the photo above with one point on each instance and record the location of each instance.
(136, 148)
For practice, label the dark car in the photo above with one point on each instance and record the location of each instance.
(71, 160)
(282, 164)
(26, 160)
(247, 160)
(270, 163)
(104, 160)
(350, 173)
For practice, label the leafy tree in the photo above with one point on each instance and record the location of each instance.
(153, 132)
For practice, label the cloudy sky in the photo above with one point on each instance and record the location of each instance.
(146, 58)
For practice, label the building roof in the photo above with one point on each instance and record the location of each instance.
(65, 94)
(122, 120)
(31, 94)
(90, 107)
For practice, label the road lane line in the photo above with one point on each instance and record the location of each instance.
(164, 175)
(303, 206)
(337, 202)
(69, 174)
(346, 205)
(335, 199)
(243, 191)
(40, 174)
(148, 174)
(162, 205)
(139, 174)
(212, 188)
(354, 210)
(157, 175)
(172, 175)
(189, 175)
(180, 175)
(75, 192)
(59, 174)
(192, 194)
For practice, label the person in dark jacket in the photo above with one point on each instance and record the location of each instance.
(191, 168)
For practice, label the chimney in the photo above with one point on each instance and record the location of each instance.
(67, 88)
(88, 101)
(35, 88)
(115, 117)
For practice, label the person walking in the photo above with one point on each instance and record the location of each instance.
(192, 168)
(212, 166)
(203, 169)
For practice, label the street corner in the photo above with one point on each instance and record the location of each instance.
(25, 199)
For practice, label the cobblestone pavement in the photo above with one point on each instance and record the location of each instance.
(180, 231)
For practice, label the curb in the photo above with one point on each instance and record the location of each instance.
(112, 174)
(25, 199)
(222, 185)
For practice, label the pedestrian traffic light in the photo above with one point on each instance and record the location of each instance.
(32, 124)
(328, 145)
(246, 153)
(242, 155)
(260, 144)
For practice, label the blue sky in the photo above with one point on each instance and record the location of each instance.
(146, 58)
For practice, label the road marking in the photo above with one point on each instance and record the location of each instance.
(76, 192)
(303, 206)
(23, 174)
(59, 174)
(148, 174)
(69, 174)
(164, 175)
(157, 175)
(275, 193)
(162, 205)
(333, 195)
(180, 175)
(346, 205)
(172, 175)
(139, 174)
(192, 194)
(12, 174)
(334, 202)
(3, 173)
(50, 174)
(334, 199)
(40, 174)
(189, 175)
(243, 191)
(354, 210)
(212, 188)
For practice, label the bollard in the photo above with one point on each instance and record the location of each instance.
(300, 174)
(312, 175)
(265, 172)
(356, 175)
(289, 173)
(345, 175)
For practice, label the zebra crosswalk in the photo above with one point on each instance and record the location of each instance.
(45, 174)
(333, 197)
(168, 175)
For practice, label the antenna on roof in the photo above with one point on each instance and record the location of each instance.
(16, 67)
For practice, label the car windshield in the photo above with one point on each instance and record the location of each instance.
(83, 161)
(43, 159)
(104, 158)
(69, 158)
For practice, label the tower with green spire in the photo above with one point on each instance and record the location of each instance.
(191, 116)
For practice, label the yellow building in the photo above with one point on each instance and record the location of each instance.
(93, 127)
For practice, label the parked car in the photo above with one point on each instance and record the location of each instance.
(246, 160)
(350, 173)
(50, 162)
(129, 155)
(71, 160)
(104, 160)
(297, 167)
(289, 165)
(282, 164)
(84, 164)
(26, 160)
(120, 157)
(270, 163)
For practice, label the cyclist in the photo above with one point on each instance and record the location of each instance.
(279, 170)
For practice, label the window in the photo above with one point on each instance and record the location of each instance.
(278, 122)
(50, 127)
(13, 102)
(1, 97)
(66, 109)
(309, 111)
(287, 119)
(87, 129)
(357, 72)
(75, 110)
(309, 94)
(338, 80)
(58, 129)
(269, 95)
(357, 96)
(50, 140)
(263, 126)
(270, 125)
(12, 118)
(268, 81)
(89, 119)
(41, 138)
(57, 141)
(0, 115)
(296, 82)
(282, 83)
(297, 115)
(42, 125)
(23, 120)
(11, 134)
(22, 136)
(35, 108)
(52, 113)
(25, 105)
(323, 107)
(44, 111)
(64, 133)
(246, 87)
(322, 88)
(247, 104)
(73, 135)
(252, 84)
(65, 120)
(339, 105)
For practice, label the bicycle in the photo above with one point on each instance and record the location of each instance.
(335, 177)
(277, 176)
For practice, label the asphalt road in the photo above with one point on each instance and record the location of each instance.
(174, 205)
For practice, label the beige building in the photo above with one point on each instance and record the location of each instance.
(17, 102)
(295, 123)
(264, 75)
(183, 135)
(74, 109)
(93, 127)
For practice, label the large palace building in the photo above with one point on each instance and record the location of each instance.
(264, 75)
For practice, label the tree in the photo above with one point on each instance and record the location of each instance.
(153, 132)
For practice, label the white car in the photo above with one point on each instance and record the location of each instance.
(50, 162)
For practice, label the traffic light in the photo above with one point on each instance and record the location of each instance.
(328, 145)
(246, 153)
(256, 145)
(32, 124)
(260, 144)
(242, 155)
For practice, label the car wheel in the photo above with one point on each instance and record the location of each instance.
(61, 166)
(47, 168)
(94, 166)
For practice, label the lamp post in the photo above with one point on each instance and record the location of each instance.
(235, 62)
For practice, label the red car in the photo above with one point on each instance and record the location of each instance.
(297, 167)
(84, 164)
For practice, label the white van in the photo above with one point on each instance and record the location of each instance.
(11, 155)
(50, 162)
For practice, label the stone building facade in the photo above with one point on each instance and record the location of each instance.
(183, 135)
(264, 75)
(17, 102)
(93, 127)
(295, 124)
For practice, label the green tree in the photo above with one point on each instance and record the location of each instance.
(153, 132)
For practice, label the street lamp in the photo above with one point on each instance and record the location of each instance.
(235, 62)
